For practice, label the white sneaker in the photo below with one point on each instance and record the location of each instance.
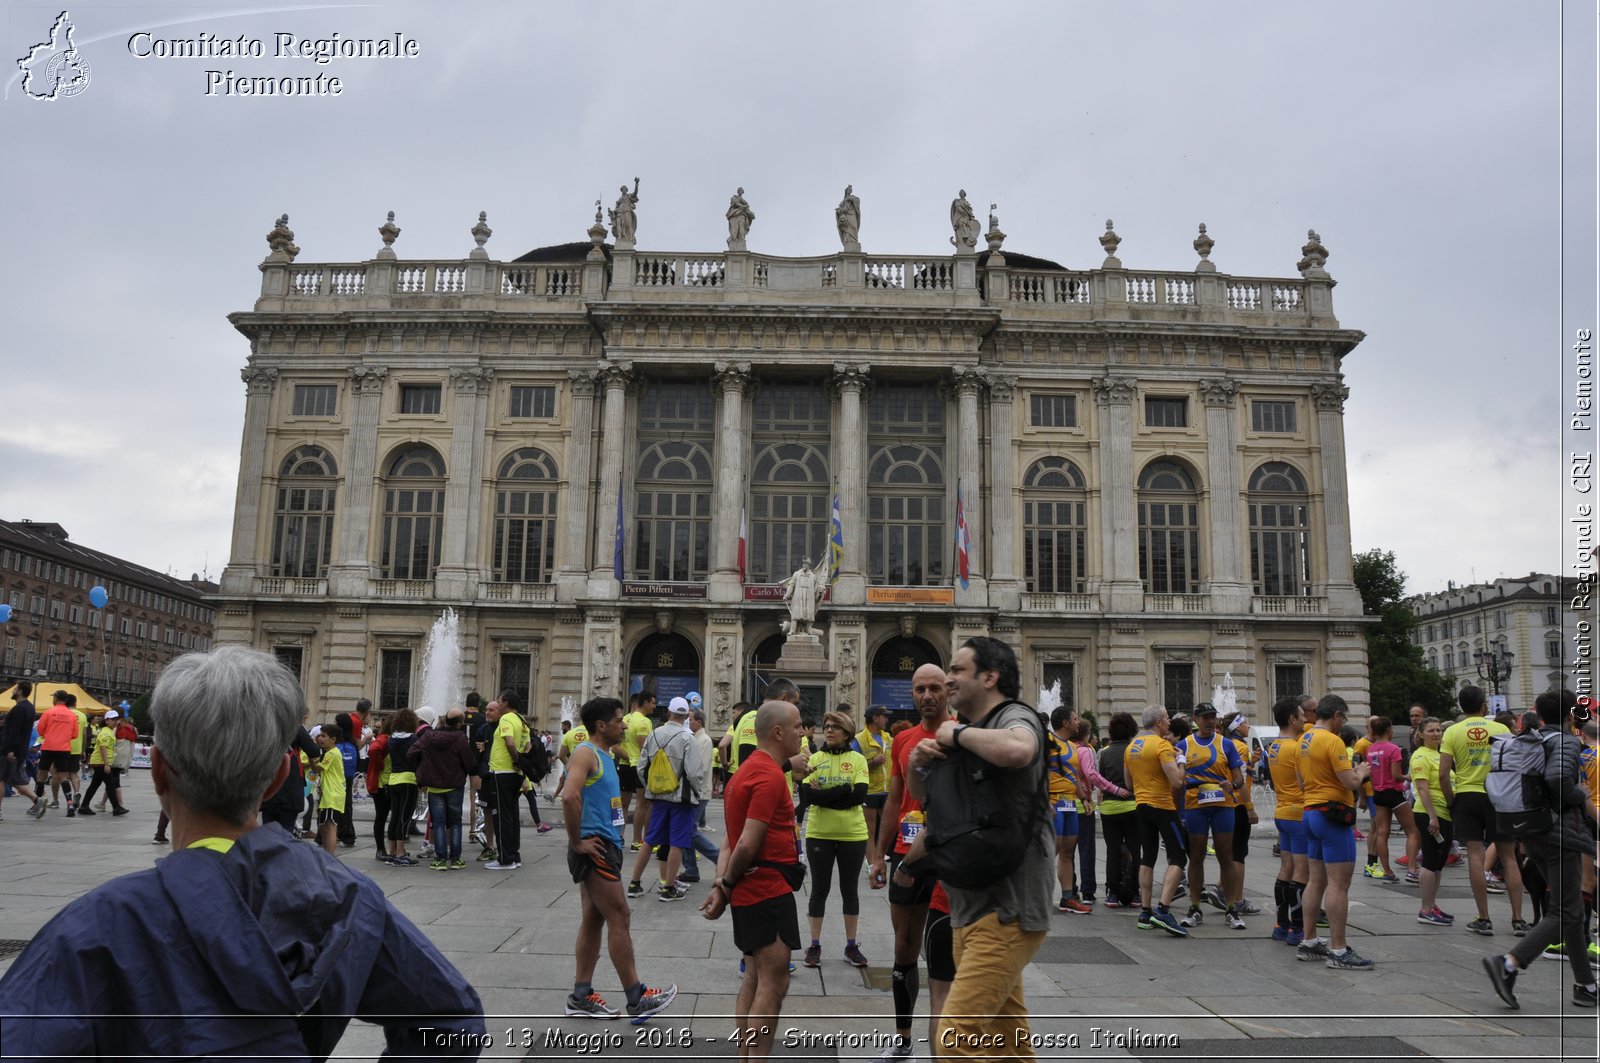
(495, 865)
(895, 1053)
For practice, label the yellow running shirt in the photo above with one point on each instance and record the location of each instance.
(1467, 742)
(1322, 757)
(1142, 769)
(1282, 756)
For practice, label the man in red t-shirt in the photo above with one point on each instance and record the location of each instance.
(757, 877)
(898, 826)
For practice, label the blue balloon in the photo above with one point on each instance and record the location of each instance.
(98, 597)
(693, 699)
(5, 613)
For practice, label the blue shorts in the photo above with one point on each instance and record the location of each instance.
(1066, 822)
(1291, 836)
(671, 824)
(1214, 819)
(1328, 842)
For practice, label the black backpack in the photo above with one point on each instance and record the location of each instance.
(535, 762)
(982, 819)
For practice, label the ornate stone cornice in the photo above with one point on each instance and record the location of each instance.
(1219, 392)
(1329, 396)
(368, 379)
(259, 380)
(851, 376)
(731, 376)
(470, 380)
(616, 375)
(1113, 390)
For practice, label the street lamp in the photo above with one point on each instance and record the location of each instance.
(1494, 665)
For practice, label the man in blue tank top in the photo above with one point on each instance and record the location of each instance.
(591, 803)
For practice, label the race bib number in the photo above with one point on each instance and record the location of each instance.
(1065, 805)
(909, 829)
(617, 819)
(1210, 795)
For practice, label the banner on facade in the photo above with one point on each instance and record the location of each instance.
(773, 592)
(663, 590)
(911, 596)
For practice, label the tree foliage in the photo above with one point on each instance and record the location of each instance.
(139, 711)
(1398, 675)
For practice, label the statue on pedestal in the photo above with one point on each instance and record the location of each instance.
(623, 221)
(803, 591)
(739, 218)
(964, 222)
(847, 215)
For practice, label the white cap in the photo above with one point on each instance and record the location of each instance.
(113, 714)
(677, 707)
(316, 730)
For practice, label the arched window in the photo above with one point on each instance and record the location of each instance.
(1280, 558)
(413, 514)
(1053, 527)
(1169, 530)
(302, 523)
(906, 540)
(525, 518)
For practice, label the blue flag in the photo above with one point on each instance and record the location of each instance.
(616, 550)
(835, 545)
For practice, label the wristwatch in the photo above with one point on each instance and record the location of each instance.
(955, 736)
(727, 887)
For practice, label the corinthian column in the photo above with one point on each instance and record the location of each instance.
(851, 381)
(968, 381)
(352, 567)
(463, 491)
(1119, 557)
(616, 377)
(246, 560)
(579, 468)
(1003, 588)
(1229, 591)
(1343, 598)
(732, 381)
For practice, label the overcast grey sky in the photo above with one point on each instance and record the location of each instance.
(1421, 140)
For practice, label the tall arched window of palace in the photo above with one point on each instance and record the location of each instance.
(1169, 530)
(302, 522)
(1053, 527)
(1280, 557)
(673, 481)
(525, 518)
(789, 503)
(906, 540)
(413, 514)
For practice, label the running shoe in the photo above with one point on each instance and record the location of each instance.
(1360, 837)
(1211, 850)
(1519, 928)
(1322, 920)
(86, 811)
(1434, 917)
(439, 865)
(1193, 919)
(1164, 919)
(458, 865)
(1594, 951)
(1493, 883)
(813, 956)
(1388, 878)
(666, 894)
(1247, 907)
(545, 828)
(488, 854)
(592, 1006)
(1280, 933)
(1233, 920)
(1348, 960)
(1311, 950)
(1372, 870)
(1556, 948)
(403, 861)
(635, 889)
(1403, 860)
(120, 811)
(1112, 902)
(1276, 849)
(635, 847)
(159, 840)
(1182, 891)
(1583, 996)
(1212, 895)
(1453, 859)
(501, 865)
(1073, 906)
(1411, 878)
(1296, 935)
(1482, 926)
(853, 956)
(791, 967)
(653, 1001)
(1503, 981)
(895, 1053)
(1146, 921)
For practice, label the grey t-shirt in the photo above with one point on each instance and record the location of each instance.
(1026, 893)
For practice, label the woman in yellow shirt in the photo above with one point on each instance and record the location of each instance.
(1433, 820)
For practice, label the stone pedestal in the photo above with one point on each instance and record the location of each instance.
(803, 652)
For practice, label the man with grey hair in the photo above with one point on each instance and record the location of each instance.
(246, 943)
(701, 843)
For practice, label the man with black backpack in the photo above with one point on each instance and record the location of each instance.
(998, 925)
(1549, 823)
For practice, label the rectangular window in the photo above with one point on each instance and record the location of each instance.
(1164, 412)
(36, 606)
(1053, 411)
(516, 674)
(1053, 551)
(94, 619)
(75, 614)
(421, 398)
(1064, 673)
(1500, 619)
(1288, 680)
(1552, 650)
(1272, 416)
(142, 630)
(394, 680)
(58, 611)
(533, 402)
(1177, 686)
(315, 400)
(291, 657)
(1550, 617)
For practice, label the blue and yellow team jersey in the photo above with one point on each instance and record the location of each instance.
(1062, 763)
(1143, 772)
(1282, 755)
(1210, 762)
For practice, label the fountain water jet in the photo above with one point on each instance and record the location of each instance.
(441, 664)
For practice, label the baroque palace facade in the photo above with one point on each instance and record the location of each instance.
(607, 459)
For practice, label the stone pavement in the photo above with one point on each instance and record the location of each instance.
(1218, 994)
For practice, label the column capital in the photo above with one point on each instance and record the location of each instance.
(616, 375)
(368, 379)
(1002, 387)
(851, 376)
(967, 380)
(582, 382)
(1113, 390)
(1219, 392)
(731, 376)
(259, 380)
(1329, 396)
(471, 380)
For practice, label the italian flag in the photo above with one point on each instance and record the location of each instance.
(744, 534)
